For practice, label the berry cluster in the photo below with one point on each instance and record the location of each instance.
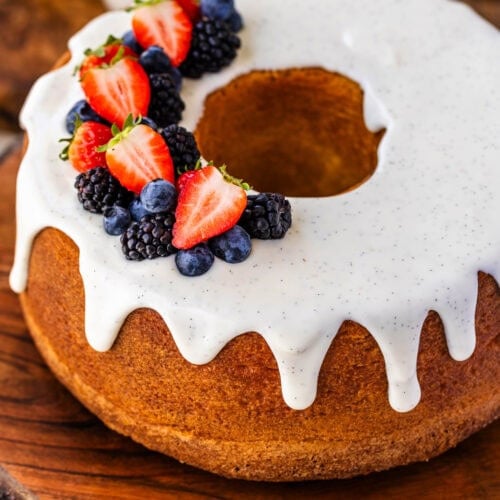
(139, 168)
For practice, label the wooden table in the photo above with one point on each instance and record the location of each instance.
(57, 449)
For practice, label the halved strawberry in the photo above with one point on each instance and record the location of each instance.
(164, 24)
(183, 179)
(105, 54)
(208, 206)
(117, 91)
(139, 155)
(192, 9)
(82, 150)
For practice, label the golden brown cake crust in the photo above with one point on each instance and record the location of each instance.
(228, 416)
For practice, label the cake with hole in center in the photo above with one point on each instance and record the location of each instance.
(279, 261)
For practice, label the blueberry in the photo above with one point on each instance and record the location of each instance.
(233, 246)
(150, 123)
(137, 210)
(83, 110)
(235, 22)
(154, 60)
(116, 220)
(131, 42)
(195, 261)
(217, 9)
(159, 196)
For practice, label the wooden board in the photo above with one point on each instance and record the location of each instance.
(55, 448)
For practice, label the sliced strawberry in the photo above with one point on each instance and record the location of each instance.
(104, 55)
(184, 179)
(82, 149)
(139, 155)
(117, 91)
(192, 9)
(208, 206)
(164, 24)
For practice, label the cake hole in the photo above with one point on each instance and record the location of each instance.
(300, 132)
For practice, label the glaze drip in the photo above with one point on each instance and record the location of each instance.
(411, 239)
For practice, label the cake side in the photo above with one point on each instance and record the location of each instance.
(228, 416)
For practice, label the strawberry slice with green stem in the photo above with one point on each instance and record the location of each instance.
(118, 89)
(209, 204)
(163, 23)
(83, 150)
(138, 155)
(105, 55)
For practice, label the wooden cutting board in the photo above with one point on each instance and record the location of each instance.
(51, 446)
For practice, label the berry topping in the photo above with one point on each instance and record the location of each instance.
(83, 112)
(217, 9)
(150, 238)
(208, 205)
(106, 55)
(116, 220)
(235, 22)
(144, 120)
(130, 41)
(166, 105)
(137, 210)
(233, 247)
(159, 196)
(154, 60)
(268, 216)
(195, 261)
(117, 90)
(184, 179)
(138, 155)
(213, 47)
(83, 148)
(182, 146)
(191, 8)
(98, 189)
(163, 23)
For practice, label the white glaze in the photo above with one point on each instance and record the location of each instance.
(411, 239)
(118, 4)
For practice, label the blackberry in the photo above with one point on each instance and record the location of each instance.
(268, 216)
(98, 190)
(213, 47)
(166, 105)
(150, 238)
(182, 146)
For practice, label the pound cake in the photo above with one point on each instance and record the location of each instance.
(364, 338)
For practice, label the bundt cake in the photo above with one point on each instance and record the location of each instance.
(366, 338)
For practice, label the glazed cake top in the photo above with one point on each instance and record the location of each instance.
(409, 240)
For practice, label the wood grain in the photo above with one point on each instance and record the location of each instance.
(57, 449)
(33, 34)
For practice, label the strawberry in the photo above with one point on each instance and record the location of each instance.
(82, 150)
(192, 9)
(105, 55)
(118, 90)
(138, 155)
(164, 24)
(184, 179)
(208, 205)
